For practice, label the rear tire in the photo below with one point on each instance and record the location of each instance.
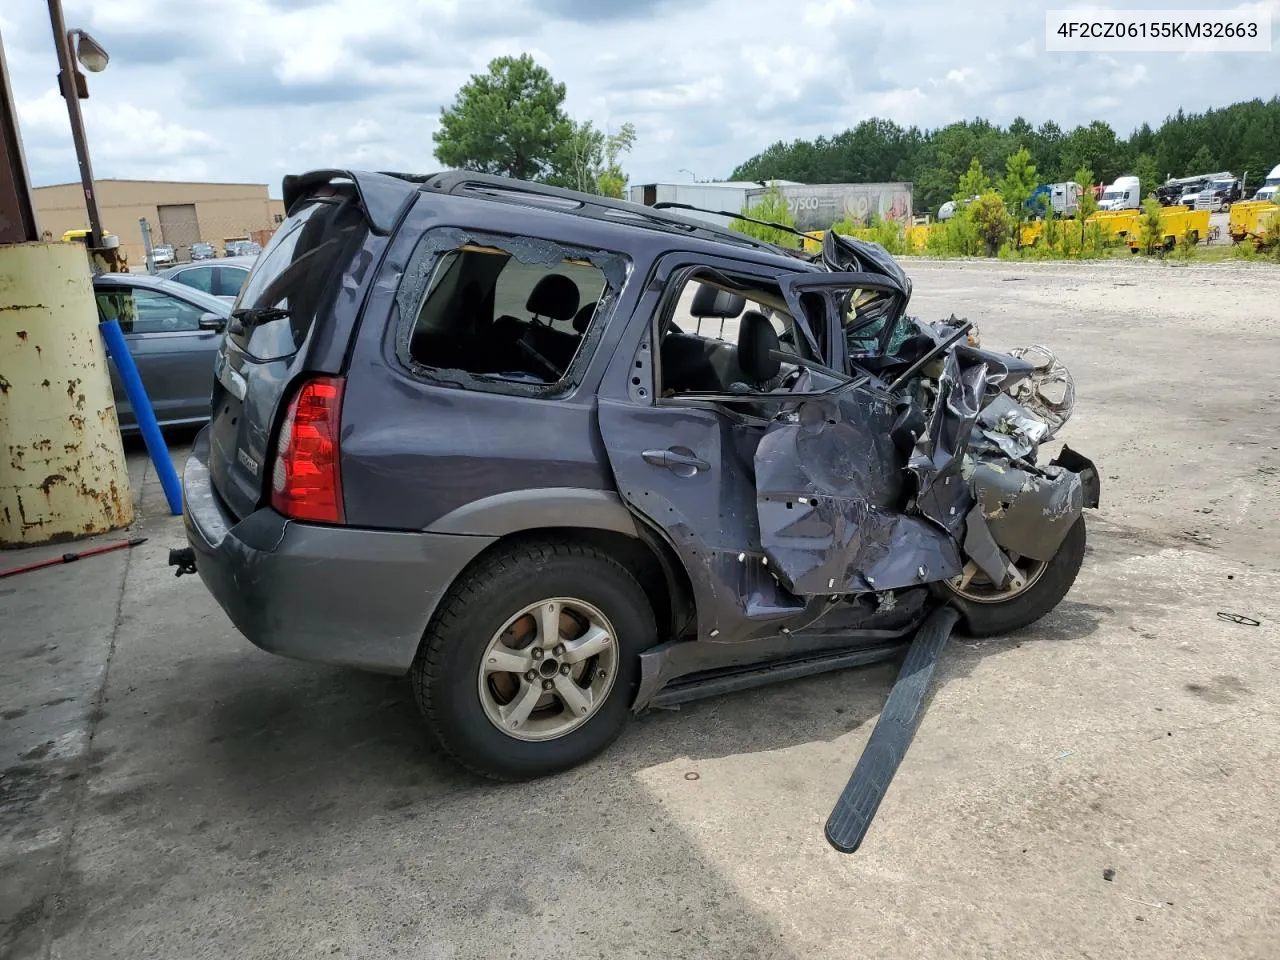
(463, 705)
(1025, 608)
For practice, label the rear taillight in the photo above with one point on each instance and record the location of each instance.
(306, 480)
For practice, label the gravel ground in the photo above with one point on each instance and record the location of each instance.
(1100, 785)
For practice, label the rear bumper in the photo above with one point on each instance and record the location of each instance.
(356, 597)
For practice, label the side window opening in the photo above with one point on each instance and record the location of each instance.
(507, 313)
(864, 316)
(722, 340)
(147, 311)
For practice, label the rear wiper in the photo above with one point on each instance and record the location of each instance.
(246, 318)
(252, 316)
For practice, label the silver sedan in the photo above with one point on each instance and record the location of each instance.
(174, 333)
(223, 277)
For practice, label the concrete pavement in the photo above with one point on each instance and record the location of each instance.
(193, 797)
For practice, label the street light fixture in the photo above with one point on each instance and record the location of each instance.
(88, 51)
(72, 85)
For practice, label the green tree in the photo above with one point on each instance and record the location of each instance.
(1088, 202)
(1151, 226)
(509, 121)
(611, 181)
(589, 160)
(772, 206)
(577, 159)
(973, 182)
(1148, 174)
(1238, 137)
(1049, 238)
(1018, 183)
(1203, 161)
(991, 217)
(1096, 147)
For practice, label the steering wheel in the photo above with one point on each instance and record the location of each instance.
(539, 359)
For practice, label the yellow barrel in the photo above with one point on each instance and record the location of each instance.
(62, 466)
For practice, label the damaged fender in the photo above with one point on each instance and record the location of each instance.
(1027, 512)
(862, 493)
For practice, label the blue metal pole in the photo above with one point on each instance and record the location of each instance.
(118, 350)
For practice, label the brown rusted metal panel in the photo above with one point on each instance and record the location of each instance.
(17, 212)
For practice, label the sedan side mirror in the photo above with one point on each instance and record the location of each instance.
(211, 321)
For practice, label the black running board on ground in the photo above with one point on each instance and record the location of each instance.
(694, 688)
(851, 818)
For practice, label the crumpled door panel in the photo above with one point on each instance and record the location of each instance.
(828, 481)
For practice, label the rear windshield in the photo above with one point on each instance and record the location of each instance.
(299, 272)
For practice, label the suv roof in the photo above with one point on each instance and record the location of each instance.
(383, 195)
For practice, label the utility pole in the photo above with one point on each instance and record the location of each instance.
(71, 83)
(145, 227)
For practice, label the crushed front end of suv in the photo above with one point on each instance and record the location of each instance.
(560, 458)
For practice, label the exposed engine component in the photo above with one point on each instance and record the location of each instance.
(1050, 392)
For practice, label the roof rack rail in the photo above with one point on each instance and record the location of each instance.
(581, 204)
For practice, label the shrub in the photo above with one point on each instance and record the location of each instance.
(957, 238)
(772, 206)
(992, 221)
(1151, 227)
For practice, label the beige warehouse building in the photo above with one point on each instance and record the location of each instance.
(179, 213)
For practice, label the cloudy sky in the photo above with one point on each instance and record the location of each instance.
(248, 90)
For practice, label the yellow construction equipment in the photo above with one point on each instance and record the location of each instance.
(1178, 222)
(1250, 218)
(1117, 225)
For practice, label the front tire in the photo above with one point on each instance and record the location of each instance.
(531, 662)
(1021, 609)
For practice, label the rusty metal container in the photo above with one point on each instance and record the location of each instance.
(62, 466)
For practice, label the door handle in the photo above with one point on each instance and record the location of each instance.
(677, 460)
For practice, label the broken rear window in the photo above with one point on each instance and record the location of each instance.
(297, 277)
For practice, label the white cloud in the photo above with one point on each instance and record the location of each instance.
(251, 89)
(823, 15)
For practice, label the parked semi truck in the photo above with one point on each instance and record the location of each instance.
(1172, 191)
(1270, 186)
(1124, 194)
(1063, 199)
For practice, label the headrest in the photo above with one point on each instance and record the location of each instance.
(757, 341)
(582, 319)
(555, 296)
(710, 302)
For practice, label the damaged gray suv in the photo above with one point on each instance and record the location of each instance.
(560, 458)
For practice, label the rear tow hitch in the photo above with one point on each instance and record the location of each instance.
(184, 559)
(849, 821)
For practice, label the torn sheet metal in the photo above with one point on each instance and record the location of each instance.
(1028, 512)
(1011, 428)
(936, 462)
(981, 547)
(828, 483)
